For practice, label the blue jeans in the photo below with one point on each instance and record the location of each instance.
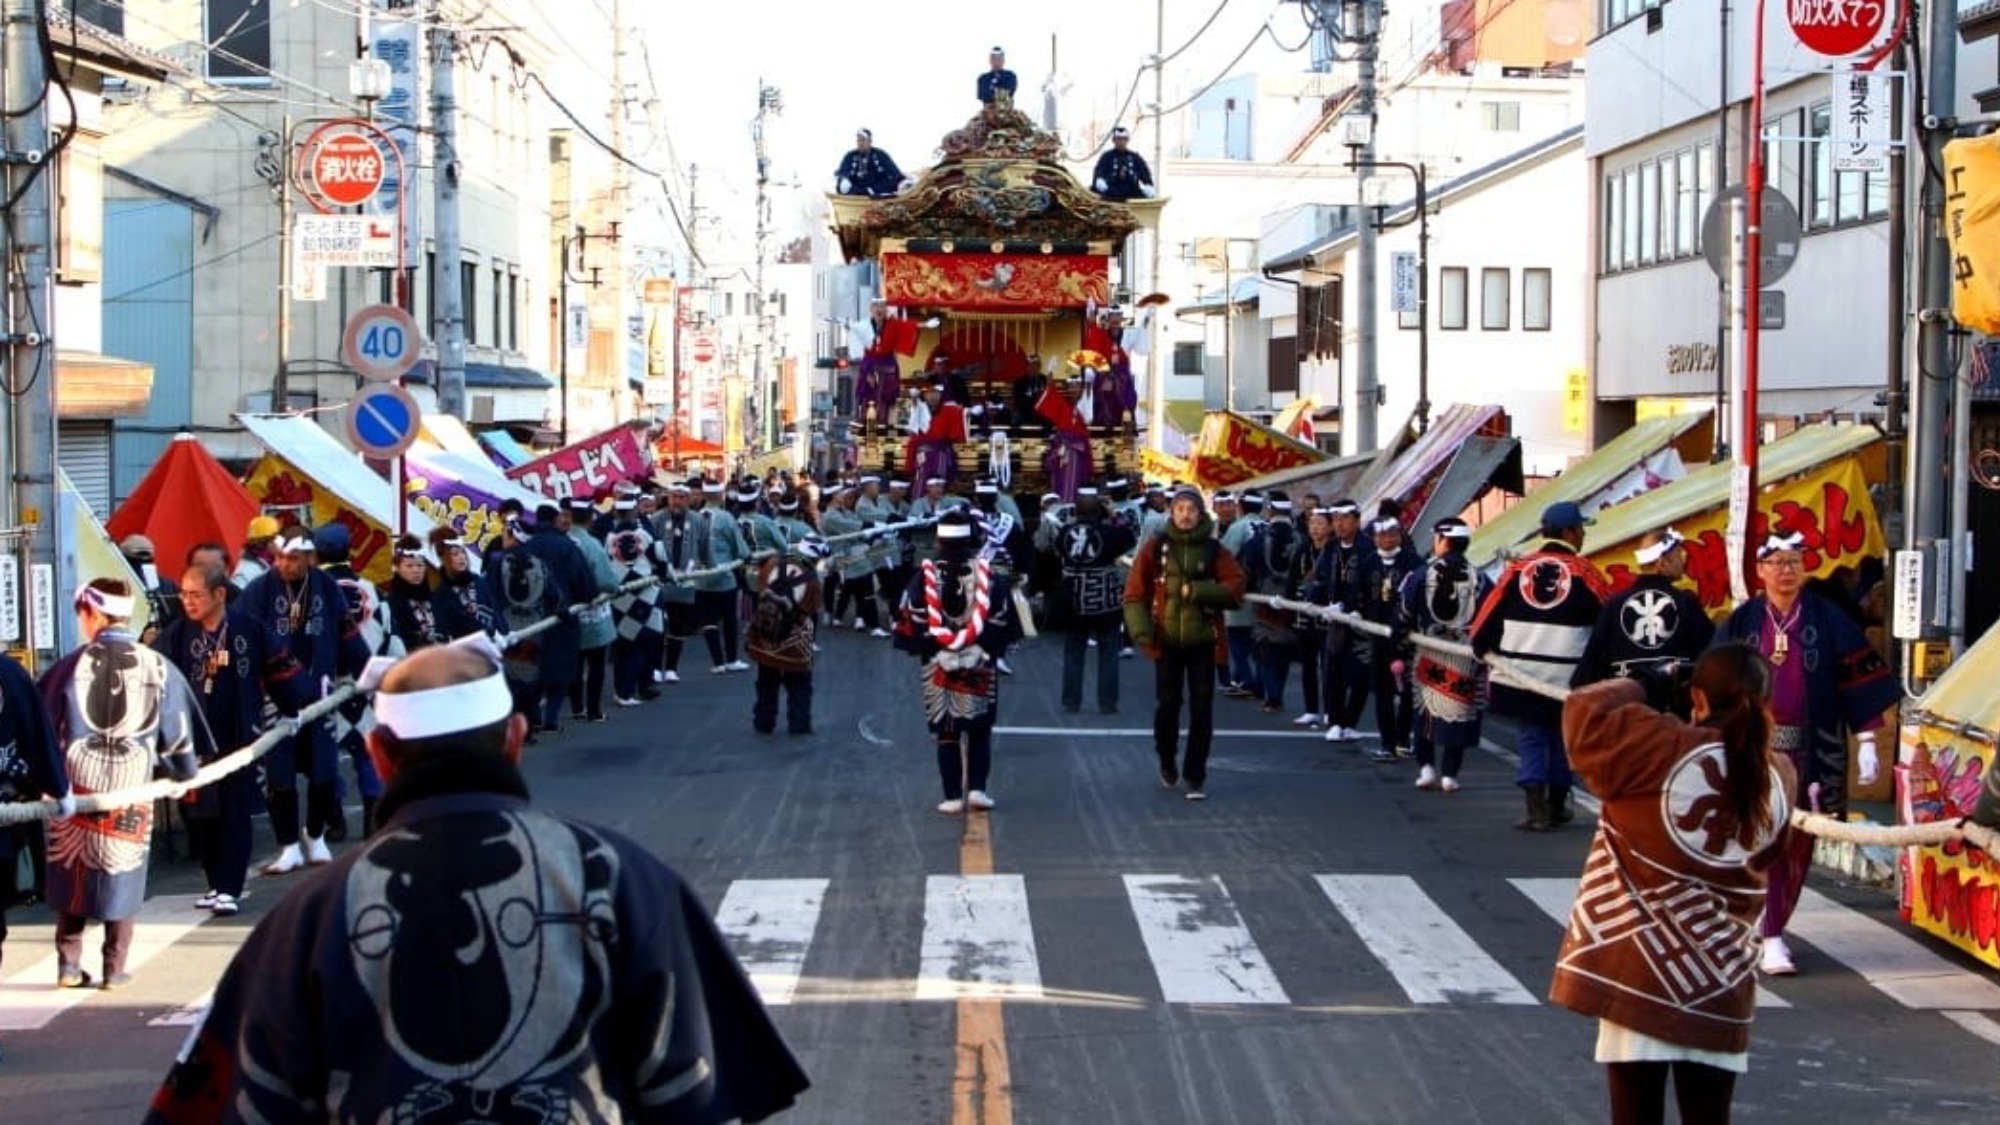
(1544, 761)
(1243, 656)
(1076, 647)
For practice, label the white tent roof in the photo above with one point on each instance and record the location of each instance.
(338, 469)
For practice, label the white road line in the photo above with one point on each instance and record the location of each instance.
(977, 939)
(1556, 896)
(29, 998)
(187, 1015)
(769, 924)
(1434, 960)
(1976, 1023)
(1147, 733)
(1894, 964)
(1200, 949)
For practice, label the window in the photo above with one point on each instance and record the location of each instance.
(468, 302)
(1319, 321)
(1535, 294)
(1649, 213)
(107, 14)
(514, 309)
(1189, 357)
(1611, 13)
(1652, 210)
(1281, 362)
(1687, 221)
(431, 292)
(79, 217)
(1452, 284)
(1494, 288)
(1500, 117)
(499, 305)
(238, 33)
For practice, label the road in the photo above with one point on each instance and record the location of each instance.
(1318, 942)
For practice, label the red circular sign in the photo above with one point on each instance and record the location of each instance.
(347, 169)
(703, 349)
(1836, 29)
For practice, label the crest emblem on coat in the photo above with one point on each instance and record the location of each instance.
(1082, 544)
(1545, 583)
(1649, 619)
(1697, 807)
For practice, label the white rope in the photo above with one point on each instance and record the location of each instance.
(1932, 834)
(999, 460)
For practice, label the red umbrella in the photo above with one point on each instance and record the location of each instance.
(186, 498)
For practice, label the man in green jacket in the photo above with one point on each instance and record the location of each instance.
(1182, 581)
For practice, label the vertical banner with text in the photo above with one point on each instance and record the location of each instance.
(399, 43)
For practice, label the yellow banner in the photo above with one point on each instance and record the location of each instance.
(284, 490)
(1972, 169)
(1952, 891)
(1161, 467)
(1829, 509)
(1233, 449)
(1576, 401)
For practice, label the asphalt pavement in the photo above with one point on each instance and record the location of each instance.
(1317, 942)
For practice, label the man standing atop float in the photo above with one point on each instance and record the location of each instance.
(998, 79)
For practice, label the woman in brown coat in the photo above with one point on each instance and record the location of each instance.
(1662, 943)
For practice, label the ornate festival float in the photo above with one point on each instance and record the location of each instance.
(996, 265)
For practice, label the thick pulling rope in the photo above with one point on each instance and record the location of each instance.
(1933, 834)
(289, 726)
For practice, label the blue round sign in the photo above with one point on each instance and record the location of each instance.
(383, 420)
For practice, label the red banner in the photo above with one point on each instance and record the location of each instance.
(583, 468)
(996, 282)
(1233, 449)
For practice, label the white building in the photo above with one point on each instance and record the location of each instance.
(214, 148)
(1655, 166)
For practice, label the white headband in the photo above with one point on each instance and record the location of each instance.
(1775, 543)
(1647, 556)
(119, 606)
(445, 710)
(954, 531)
(297, 545)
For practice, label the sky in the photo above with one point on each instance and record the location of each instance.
(906, 70)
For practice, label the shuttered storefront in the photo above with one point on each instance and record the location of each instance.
(84, 451)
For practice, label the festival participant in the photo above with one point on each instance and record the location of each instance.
(1826, 681)
(718, 595)
(1182, 581)
(639, 620)
(162, 598)
(786, 597)
(1121, 174)
(1313, 568)
(303, 607)
(255, 558)
(1268, 559)
(1654, 622)
(234, 664)
(954, 615)
(480, 959)
(878, 377)
(120, 712)
(1539, 618)
(1240, 679)
(1695, 813)
(856, 560)
(462, 604)
(542, 575)
(867, 170)
(1345, 677)
(209, 554)
(367, 620)
(31, 767)
(412, 621)
(792, 517)
(595, 628)
(1439, 602)
(1090, 597)
(1380, 599)
(688, 543)
(997, 83)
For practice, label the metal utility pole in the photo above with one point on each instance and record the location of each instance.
(1895, 401)
(769, 103)
(275, 164)
(1932, 376)
(449, 276)
(31, 354)
(1367, 382)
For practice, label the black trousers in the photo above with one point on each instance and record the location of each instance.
(798, 700)
(1392, 698)
(1344, 691)
(861, 591)
(322, 809)
(1185, 674)
(722, 613)
(1639, 1092)
(221, 842)
(586, 695)
(962, 770)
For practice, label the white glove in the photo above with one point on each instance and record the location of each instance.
(1867, 763)
(1146, 190)
(1101, 186)
(846, 185)
(65, 808)
(1339, 607)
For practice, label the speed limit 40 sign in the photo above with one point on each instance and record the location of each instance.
(381, 342)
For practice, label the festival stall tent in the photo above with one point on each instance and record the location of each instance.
(505, 451)
(1947, 748)
(186, 498)
(1449, 466)
(1234, 449)
(446, 432)
(1812, 482)
(319, 481)
(1647, 456)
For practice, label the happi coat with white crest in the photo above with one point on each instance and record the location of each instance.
(122, 713)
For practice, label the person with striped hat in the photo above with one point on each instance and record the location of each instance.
(1439, 602)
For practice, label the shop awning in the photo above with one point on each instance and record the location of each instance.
(1582, 483)
(1707, 488)
(1474, 467)
(93, 386)
(1964, 694)
(488, 376)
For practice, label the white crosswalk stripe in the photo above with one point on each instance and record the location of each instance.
(29, 999)
(1433, 960)
(1556, 896)
(1199, 946)
(1892, 963)
(769, 924)
(977, 940)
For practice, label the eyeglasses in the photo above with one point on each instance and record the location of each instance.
(1783, 564)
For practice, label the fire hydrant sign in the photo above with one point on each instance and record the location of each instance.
(1836, 28)
(347, 169)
